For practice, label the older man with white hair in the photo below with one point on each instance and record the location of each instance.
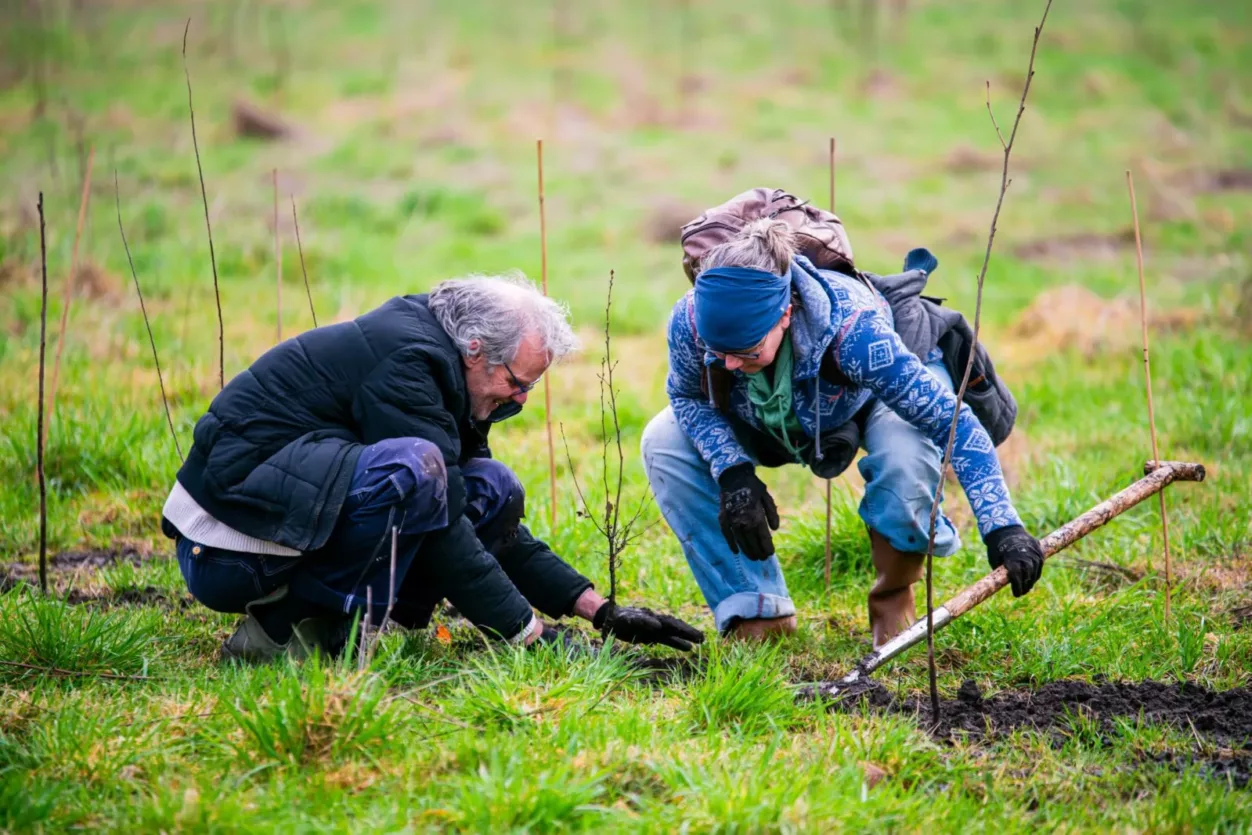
(347, 438)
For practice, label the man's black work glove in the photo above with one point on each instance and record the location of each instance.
(747, 513)
(1019, 553)
(567, 639)
(644, 626)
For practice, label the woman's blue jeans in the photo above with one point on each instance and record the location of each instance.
(901, 472)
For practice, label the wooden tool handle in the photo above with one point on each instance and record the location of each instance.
(1158, 475)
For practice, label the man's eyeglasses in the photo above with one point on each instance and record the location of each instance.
(522, 388)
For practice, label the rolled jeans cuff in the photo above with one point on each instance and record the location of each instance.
(750, 605)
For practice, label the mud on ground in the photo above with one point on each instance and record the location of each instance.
(1221, 720)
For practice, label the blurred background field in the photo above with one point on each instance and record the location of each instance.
(405, 132)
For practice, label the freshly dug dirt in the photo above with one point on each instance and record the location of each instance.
(1223, 717)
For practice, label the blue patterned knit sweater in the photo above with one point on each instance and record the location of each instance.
(841, 315)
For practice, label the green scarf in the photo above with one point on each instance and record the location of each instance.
(771, 401)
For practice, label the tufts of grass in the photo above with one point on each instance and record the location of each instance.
(743, 690)
(510, 793)
(55, 638)
(311, 715)
(515, 688)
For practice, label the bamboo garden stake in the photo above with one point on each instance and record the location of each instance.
(69, 281)
(278, 262)
(547, 389)
(204, 198)
(1147, 376)
(295, 221)
(39, 423)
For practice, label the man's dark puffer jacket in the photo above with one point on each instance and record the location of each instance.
(274, 454)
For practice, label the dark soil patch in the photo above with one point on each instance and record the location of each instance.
(663, 670)
(15, 573)
(146, 596)
(93, 558)
(1224, 717)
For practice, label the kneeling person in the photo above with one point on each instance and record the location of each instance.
(307, 464)
(765, 351)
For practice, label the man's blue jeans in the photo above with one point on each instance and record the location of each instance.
(399, 482)
(901, 472)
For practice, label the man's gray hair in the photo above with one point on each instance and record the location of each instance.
(497, 312)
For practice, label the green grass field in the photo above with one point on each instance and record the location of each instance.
(412, 159)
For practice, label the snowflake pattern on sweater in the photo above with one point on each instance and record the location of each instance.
(839, 314)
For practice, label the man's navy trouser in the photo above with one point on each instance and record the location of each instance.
(399, 482)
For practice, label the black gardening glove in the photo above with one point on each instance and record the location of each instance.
(644, 626)
(747, 513)
(1019, 553)
(565, 638)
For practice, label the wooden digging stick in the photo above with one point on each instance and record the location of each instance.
(1157, 474)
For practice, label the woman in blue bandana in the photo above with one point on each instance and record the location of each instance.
(771, 360)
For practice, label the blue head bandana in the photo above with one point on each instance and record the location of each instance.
(737, 306)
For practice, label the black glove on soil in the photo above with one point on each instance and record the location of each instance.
(644, 626)
(557, 634)
(1019, 553)
(747, 513)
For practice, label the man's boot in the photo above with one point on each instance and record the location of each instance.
(251, 643)
(891, 605)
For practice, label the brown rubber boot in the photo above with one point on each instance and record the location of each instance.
(891, 605)
(759, 629)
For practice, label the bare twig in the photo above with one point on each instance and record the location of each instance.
(144, 310)
(278, 264)
(992, 114)
(63, 334)
(57, 671)
(391, 594)
(960, 395)
(204, 197)
(618, 535)
(547, 378)
(300, 248)
(39, 423)
(1147, 376)
(577, 486)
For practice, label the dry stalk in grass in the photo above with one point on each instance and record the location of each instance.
(960, 394)
(62, 334)
(363, 640)
(39, 423)
(144, 310)
(547, 385)
(295, 221)
(57, 671)
(1147, 376)
(204, 198)
(278, 263)
(391, 598)
(618, 533)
